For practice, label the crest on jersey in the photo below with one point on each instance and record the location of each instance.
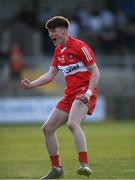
(70, 56)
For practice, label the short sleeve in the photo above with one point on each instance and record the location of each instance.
(54, 62)
(86, 55)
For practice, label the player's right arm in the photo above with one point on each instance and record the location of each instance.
(42, 80)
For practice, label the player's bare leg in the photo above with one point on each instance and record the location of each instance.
(77, 113)
(56, 119)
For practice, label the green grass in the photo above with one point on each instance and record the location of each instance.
(111, 147)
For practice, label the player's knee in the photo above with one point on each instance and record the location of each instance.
(72, 126)
(46, 130)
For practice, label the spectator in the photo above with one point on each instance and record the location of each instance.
(74, 26)
(131, 34)
(15, 63)
(108, 40)
(122, 26)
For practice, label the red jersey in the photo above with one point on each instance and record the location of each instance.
(73, 61)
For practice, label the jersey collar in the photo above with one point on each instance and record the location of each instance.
(69, 42)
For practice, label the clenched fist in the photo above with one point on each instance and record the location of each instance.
(26, 83)
(84, 98)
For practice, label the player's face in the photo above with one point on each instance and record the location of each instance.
(57, 35)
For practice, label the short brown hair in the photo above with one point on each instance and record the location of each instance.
(57, 21)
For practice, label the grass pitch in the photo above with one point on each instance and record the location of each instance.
(111, 148)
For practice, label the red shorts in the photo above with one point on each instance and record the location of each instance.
(66, 103)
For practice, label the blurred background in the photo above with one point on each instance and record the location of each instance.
(108, 26)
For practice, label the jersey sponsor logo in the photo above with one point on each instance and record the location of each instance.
(73, 68)
(86, 53)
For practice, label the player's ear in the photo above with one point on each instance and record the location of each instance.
(64, 31)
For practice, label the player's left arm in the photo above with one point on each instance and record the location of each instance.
(88, 58)
(95, 76)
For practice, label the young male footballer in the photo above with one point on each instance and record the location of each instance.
(76, 59)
